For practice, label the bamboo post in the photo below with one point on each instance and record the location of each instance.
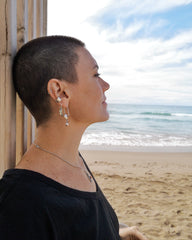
(44, 17)
(32, 18)
(30, 36)
(20, 21)
(21, 39)
(7, 93)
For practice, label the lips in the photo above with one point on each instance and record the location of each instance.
(104, 101)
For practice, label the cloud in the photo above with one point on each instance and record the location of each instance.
(124, 9)
(67, 16)
(147, 68)
(150, 69)
(140, 19)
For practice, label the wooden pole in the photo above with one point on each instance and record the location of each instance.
(30, 36)
(20, 21)
(7, 93)
(44, 17)
(32, 18)
(21, 39)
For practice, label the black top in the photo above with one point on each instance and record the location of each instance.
(33, 206)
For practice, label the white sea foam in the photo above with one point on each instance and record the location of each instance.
(142, 126)
(182, 114)
(135, 140)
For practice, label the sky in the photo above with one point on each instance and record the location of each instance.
(143, 47)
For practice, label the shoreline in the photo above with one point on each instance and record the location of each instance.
(171, 149)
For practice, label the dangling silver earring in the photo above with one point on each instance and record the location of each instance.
(61, 111)
(58, 99)
(65, 115)
(61, 108)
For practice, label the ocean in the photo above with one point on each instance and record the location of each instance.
(142, 127)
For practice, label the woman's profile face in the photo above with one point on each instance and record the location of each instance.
(87, 104)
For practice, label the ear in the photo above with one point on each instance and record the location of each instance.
(57, 88)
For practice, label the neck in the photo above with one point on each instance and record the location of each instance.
(61, 140)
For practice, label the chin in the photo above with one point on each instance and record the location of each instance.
(101, 119)
(107, 117)
(104, 117)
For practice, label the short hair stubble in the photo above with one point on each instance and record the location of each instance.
(36, 63)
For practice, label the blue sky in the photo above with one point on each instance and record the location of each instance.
(143, 48)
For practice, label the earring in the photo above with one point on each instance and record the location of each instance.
(65, 115)
(61, 111)
(58, 99)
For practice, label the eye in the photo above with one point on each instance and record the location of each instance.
(97, 75)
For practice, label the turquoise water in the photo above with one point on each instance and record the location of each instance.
(142, 126)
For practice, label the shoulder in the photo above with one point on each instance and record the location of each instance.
(23, 211)
(31, 191)
(20, 193)
(20, 185)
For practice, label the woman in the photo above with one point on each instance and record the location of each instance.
(51, 194)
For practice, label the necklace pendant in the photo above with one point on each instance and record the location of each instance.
(89, 176)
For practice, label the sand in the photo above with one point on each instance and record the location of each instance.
(150, 190)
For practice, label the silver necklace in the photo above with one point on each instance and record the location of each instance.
(72, 165)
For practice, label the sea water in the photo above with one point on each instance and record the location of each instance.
(142, 126)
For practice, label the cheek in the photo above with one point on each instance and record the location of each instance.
(79, 107)
(86, 102)
(84, 109)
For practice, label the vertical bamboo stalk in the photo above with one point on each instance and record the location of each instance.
(7, 94)
(20, 20)
(21, 39)
(38, 18)
(19, 129)
(37, 26)
(39, 29)
(30, 19)
(30, 37)
(29, 129)
(44, 17)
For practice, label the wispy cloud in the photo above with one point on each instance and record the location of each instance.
(128, 8)
(142, 59)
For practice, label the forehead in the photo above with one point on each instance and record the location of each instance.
(85, 60)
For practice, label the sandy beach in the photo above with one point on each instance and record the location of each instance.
(150, 190)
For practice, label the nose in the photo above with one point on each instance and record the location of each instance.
(105, 85)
